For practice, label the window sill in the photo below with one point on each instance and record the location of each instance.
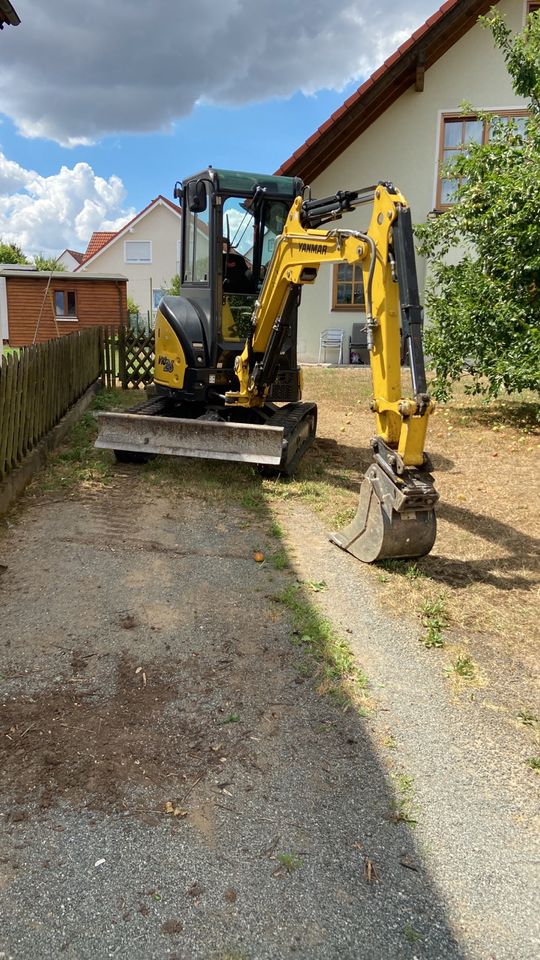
(348, 308)
(67, 319)
(143, 262)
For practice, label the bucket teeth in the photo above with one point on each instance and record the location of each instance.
(395, 518)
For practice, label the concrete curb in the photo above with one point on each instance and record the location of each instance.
(14, 484)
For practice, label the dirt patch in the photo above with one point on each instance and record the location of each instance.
(69, 744)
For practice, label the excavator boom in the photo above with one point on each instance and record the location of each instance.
(218, 399)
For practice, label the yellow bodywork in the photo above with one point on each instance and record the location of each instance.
(170, 362)
(398, 422)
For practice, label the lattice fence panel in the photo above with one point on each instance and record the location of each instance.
(136, 357)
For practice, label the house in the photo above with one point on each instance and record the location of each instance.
(70, 259)
(36, 305)
(146, 251)
(8, 14)
(402, 125)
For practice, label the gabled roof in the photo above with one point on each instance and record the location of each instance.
(8, 14)
(405, 68)
(76, 254)
(113, 237)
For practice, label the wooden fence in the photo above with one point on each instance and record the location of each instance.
(128, 357)
(38, 385)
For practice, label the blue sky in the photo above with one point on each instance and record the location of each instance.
(106, 105)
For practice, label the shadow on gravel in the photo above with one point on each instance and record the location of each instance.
(173, 770)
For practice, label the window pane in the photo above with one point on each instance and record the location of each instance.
(197, 251)
(59, 303)
(345, 271)
(343, 293)
(358, 294)
(448, 190)
(473, 131)
(450, 155)
(71, 311)
(157, 294)
(453, 133)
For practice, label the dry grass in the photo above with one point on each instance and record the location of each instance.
(483, 570)
(485, 561)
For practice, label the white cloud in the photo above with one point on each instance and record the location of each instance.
(48, 214)
(74, 72)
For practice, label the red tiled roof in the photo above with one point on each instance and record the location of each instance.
(109, 237)
(98, 240)
(76, 254)
(397, 74)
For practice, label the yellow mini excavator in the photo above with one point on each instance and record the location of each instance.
(227, 382)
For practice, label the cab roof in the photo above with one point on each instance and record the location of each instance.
(237, 183)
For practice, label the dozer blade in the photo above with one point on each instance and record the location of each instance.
(178, 437)
(395, 518)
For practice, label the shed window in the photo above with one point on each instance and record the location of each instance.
(457, 133)
(348, 287)
(138, 251)
(65, 304)
(533, 6)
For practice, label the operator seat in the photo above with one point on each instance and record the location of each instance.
(237, 277)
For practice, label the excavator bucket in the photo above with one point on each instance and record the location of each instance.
(179, 437)
(395, 518)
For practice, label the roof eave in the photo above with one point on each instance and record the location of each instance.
(383, 87)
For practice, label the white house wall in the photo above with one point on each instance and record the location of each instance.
(402, 146)
(161, 226)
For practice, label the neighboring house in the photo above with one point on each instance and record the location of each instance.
(146, 251)
(401, 125)
(8, 14)
(70, 259)
(36, 305)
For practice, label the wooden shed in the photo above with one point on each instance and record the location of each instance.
(37, 306)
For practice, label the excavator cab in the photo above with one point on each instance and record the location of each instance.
(230, 225)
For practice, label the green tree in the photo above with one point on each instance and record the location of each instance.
(11, 253)
(483, 292)
(173, 287)
(47, 263)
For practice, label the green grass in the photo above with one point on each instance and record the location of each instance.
(289, 861)
(464, 667)
(434, 619)
(341, 678)
(534, 763)
(279, 560)
(232, 718)
(527, 718)
(403, 807)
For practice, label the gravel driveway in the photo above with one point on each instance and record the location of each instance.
(174, 785)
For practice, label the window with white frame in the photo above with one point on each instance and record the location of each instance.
(138, 251)
(457, 133)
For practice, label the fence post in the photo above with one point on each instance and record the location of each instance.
(122, 365)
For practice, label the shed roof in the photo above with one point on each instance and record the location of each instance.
(9, 270)
(405, 68)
